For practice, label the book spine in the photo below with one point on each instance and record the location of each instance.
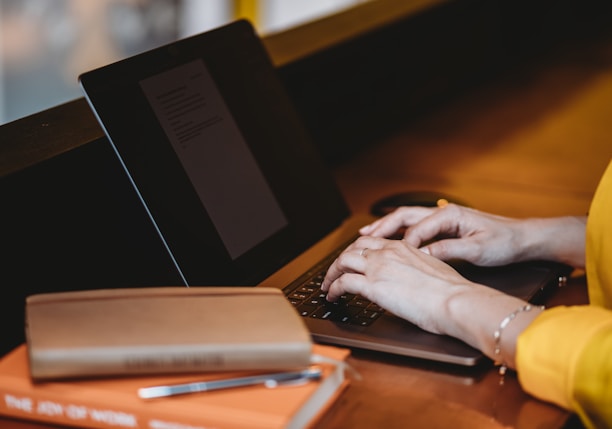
(31, 404)
(62, 364)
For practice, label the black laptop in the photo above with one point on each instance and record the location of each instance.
(239, 194)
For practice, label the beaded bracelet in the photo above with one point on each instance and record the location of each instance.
(497, 335)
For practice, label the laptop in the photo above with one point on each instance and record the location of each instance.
(238, 193)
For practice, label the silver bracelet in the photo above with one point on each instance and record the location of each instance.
(497, 335)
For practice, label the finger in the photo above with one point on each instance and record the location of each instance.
(348, 283)
(352, 259)
(347, 262)
(443, 221)
(399, 218)
(375, 228)
(454, 248)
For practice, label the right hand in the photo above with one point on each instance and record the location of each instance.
(456, 232)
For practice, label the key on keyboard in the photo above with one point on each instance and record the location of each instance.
(309, 300)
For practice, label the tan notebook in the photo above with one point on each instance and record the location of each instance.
(163, 330)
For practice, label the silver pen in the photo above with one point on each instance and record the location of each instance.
(269, 380)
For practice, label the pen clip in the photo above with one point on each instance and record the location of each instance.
(269, 380)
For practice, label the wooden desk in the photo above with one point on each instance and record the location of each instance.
(531, 144)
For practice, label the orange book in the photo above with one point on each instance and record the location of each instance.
(114, 402)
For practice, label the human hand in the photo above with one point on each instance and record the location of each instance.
(399, 278)
(456, 232)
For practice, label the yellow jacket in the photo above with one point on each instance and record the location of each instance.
(565, 355)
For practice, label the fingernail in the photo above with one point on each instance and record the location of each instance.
(425, 250)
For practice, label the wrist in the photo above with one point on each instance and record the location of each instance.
(476, 313)
(559, 239)
(506, 335)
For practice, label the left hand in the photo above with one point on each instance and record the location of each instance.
(399, 278)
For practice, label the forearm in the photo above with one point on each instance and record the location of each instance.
(560, 239)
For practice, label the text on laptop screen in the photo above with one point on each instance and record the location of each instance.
(206, 138)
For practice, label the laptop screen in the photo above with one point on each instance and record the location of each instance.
(194, 116)
(217, 155)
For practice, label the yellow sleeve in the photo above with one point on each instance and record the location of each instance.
(565, 357)
(599, 243)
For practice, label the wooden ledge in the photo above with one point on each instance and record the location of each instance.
(51, 132)
(305, 40)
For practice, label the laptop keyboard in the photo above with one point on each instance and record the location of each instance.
(306, 296)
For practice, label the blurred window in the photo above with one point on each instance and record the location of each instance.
(46, 44)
